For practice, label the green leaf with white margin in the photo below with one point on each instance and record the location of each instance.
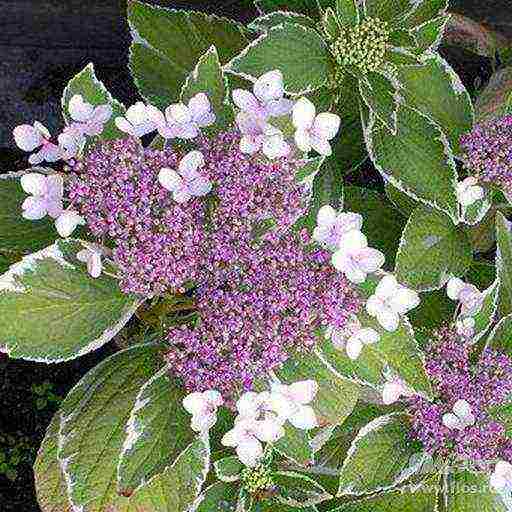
(381, 457)
(93, 91)
(51, 310)
(168, 43)
(307, 7)
(437, 91)
(504, 262)
(16, 233)
(93, 418)
(49, 480)
(299, 52)
(307, 172)
(177, 488)
(470, 492)
(297, 490)
(156, 433)
(415, 500)
(485, 317)
(336, 397)
(348, 12)
(219, 497)
(228, 469)
(475, 213)
(381, 96)
(417, 161)
(392, 11)
(296, 446)
(501, 336)
(503, 413)
(431, 250)
(267, 21)
(430, 35)
(425, 11)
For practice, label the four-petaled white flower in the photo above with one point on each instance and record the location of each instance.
(461, 417)
(501, 478)
(469, 192)
(394, 389)
(67, 222)
(355, 259)
(203, 408)
(391, 300)
(137, 121)
(258, 135)
(266, 100)
(88, 119)
(466, 327)
(29, 138)
(91, 256)
(330, 225)
(314, 131)
(353, 337)
(289, 402)
(187, 182)
(45, 195)
(469, 296)
(247, 436)
(183, 121)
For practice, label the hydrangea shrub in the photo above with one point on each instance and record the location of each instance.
(294, 343)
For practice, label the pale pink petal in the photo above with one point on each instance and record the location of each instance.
(370, 260)
(190, 163)
(279, 108)
(249, 452)
(303, 392)
(94, 264)
(354, 347)
(194, 403)
(303, 115)
(246, 101)
(451, 421)
(170, 179)
(274, 146)
(462, 408)
(80, 110)
(368, 336)
(200, 186)
(388, 319)
(391, 392)
(27, 137)
(34, 183)
(387, 287)
(67, 222)
(34, 208)
(326, 216)
(304, 418)
(303, 140)
(321, 146)
(199, 105)
(54, 207)
(269, 86)
(269, 430)
(326, 125)
(179, 113)
(83, 255)
(102, 113)
(404, 300)
(123, 125)
(138, 113)
(250, 144)
(454, 287)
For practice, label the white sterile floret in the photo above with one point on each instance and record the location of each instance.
(29, 138)
(91, 256)
(466, 327)
(290, 403)
(394, 389)
(88, 119)
(187, 182)
(137, 120)
(461, 417)
(266, 100)
(469, 296)
(331, 225)
(314, 131)
(390, 300)
(183, 121)
(203, 408)
(469, 192)
(353, 337)
(45, 195)
(67, 222)
(355, 259)
(501, 478)
(70, 141)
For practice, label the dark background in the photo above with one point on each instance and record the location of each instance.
(43, 44)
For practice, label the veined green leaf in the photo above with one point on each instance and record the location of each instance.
(273, 19)
(425, 11)
(392, 11)
(348, 12)
(297, 490)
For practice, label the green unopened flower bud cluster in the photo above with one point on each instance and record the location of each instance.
(363, 46)
(257, 479)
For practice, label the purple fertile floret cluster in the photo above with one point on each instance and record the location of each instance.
(484, 384)
(259, 293)
(488, 152)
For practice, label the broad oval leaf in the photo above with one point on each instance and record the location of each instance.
(157, 431)
(51, 310)
(381, 457)
(93, 418)
(217, 495)
(417, 160)
(388, 10)
(431, 250)
(296, 446)
(299, 52)
(168, 43)
(298, 490)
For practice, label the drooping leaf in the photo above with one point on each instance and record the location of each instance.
(93, 418)
(51, 310)
(297, 490)
(93, 91)
(16, 233)
(504, 262)
(168, 44)
(417, 161)
(335, 398)
(302, 54)
(49, 480)
(157, 431)
(437, 91)
(381, 457)
(431, 250)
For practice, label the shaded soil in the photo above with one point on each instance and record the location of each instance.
(42, 44)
